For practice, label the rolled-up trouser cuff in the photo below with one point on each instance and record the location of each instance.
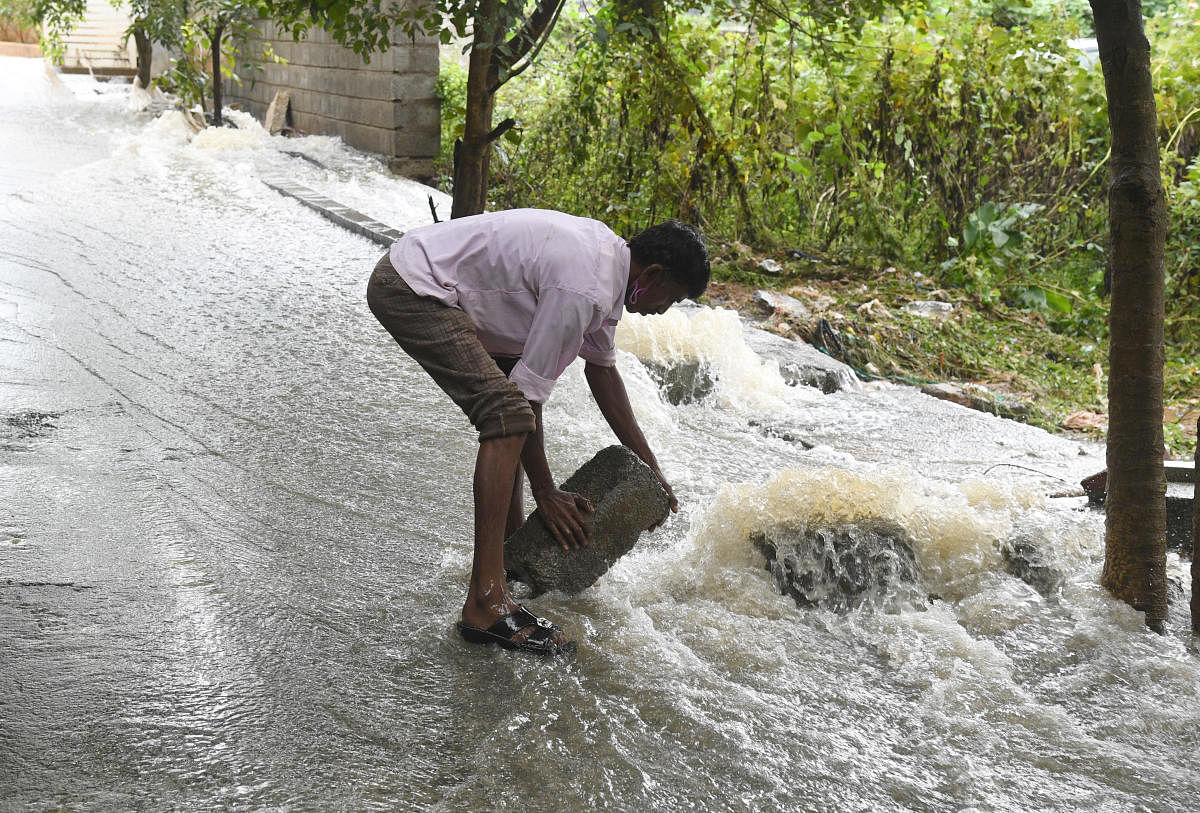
(443, 340)
(499, 426)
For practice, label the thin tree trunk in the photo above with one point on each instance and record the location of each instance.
(217, 34)
(1135, 506)
(145, 52)
(471, 152)
(489, 67)
(1196, 536)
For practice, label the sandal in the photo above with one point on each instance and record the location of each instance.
(537, 643)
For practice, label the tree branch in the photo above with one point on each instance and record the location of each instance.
(533, 33)
(541, 38)
(500, 129)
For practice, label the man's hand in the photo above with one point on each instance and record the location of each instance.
(566, 515)
(674, 503)
(609, 391)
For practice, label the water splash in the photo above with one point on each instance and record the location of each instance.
(713, 337)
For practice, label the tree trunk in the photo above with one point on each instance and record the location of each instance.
(145, 52)
(1135, 506)
(1196, 536)
(472, 151)
(492, 63)
(217, 34)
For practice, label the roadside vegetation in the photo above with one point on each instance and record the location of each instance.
(933, 152)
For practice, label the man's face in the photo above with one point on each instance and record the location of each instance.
(658, 293)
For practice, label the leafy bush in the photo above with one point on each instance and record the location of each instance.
(451, 92)
(876, 141)
(927, 137)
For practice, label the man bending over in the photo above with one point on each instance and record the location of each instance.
(494, 307)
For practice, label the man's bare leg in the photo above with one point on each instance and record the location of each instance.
(516, 504)
(516, 507)
(488, 599)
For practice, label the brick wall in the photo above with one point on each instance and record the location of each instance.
(387, 106)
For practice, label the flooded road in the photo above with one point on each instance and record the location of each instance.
(235, 533)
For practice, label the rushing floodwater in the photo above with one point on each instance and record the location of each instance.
(236, 519)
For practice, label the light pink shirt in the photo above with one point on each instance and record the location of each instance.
(538, 284)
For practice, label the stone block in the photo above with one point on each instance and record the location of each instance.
(364, 137)
(684, 381)
(415, 143)
(424, 58)
(786, 306)
(413, 86)
(1031, 563)
(628, 499)
(421, 57)
(364, 84)
(802, 364)
(342, 57)
(276, 73)
(304, 102)
(977, 397)
(419, 114)
(333, 92)
(418, 169)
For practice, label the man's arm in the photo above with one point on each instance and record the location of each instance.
(609, 391)
(564, 513)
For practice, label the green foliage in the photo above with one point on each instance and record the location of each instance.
(451, 91)
(188, 28)
(993, 233)
(369, 28)
(55, 17)
(160, 20)
(1175, 33)
(992, 240)
(364, 27)
(875, 141)
(927, 137)
(1183, 260)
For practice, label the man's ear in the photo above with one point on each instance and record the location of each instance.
(653, 274)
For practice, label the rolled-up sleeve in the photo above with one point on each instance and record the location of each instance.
(561, 320)
(600, 346)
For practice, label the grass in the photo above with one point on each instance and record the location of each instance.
(1055, 378)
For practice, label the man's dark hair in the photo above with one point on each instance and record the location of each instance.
(681, 251)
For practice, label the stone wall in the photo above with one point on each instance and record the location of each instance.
(387, 106)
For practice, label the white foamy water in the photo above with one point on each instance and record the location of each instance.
(236, 530)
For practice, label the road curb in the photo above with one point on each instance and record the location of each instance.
(344, 216)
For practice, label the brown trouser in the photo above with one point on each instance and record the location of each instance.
(442, 340)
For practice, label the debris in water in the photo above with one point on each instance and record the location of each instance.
(1030, 564)
(277, 112)
(1179, 498)
(26, 425)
